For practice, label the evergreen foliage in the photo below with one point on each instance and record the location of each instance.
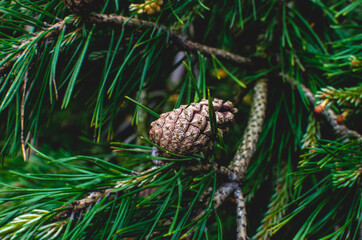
(78, 91)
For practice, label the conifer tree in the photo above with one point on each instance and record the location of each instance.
(194, 119)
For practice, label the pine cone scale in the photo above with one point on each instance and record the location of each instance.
(192, 133)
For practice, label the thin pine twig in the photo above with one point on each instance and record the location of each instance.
(240, 215)
(22, 113)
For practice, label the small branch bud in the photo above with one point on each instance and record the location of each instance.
(319, 109)
(341, 118)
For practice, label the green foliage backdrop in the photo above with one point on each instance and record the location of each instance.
(79, 90)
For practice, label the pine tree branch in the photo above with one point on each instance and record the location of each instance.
(116, 20)
(347, 97)
(79, 207)
(187, 45)
(340, 129)
(251, 135)
(52, 31)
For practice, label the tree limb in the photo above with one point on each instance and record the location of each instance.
(251, 135)
(186, 45)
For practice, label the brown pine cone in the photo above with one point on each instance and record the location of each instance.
(83, 6)
(186, 130)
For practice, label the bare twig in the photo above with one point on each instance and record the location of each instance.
(251, 135)
(195, 47)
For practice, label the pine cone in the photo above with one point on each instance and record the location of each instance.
(186, 130)
(83, 6)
